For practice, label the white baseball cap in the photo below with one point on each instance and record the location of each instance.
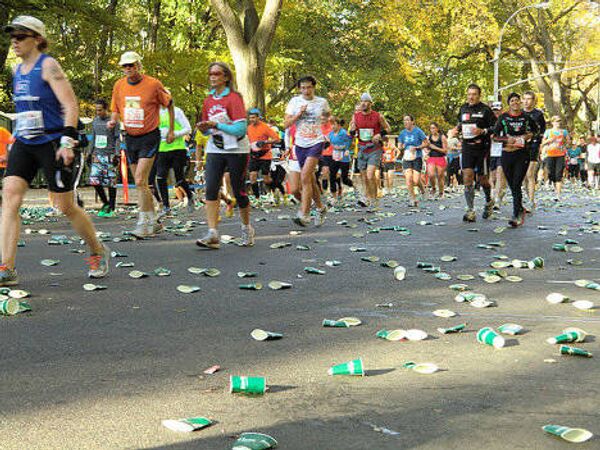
(27, 23)
(366, 97)
(129, 58)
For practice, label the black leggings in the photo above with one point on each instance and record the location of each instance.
(236, 164)
(176, 160)
(515, 165)
(112, 196)
(334, 184)
(277, 178)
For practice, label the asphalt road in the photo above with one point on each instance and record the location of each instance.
(100, 370)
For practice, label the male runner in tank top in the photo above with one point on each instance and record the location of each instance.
(537, 115)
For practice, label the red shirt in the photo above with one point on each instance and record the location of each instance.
(367, 126)
(325, 129)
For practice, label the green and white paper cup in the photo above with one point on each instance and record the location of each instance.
(335, 323)
(262, 335)
(455, 329)
(247, 385)
(488, 336)
(538, 262)
(187, 425)
(391, 335)
(9, 307)
(254, 441)
(354, 367)
(574, 351)
(566, 337)
(574, 435)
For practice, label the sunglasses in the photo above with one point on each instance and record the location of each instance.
(20, 37)
(128, 66)
(215, 74)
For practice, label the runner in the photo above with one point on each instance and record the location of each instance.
(307, 112)
(293, 166)
(340, 158)
(497, 178)
(593, 163)
(371, 128)
(45, 134)
(261, 137)
(173, 156)
(6, 139)
(137, 99)
(104, 156)
(581, 159)
(555, 142)
(224, 118)
(325, 160)
(573, 153)
(388, 163)
(529, 101)
(436, 162)
(475, 121)
(453, 170)
(412, 140)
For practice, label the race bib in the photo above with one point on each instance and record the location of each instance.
(365, 134)
(519, 142)
(496, 149)
(410, 154)
(134, 113)
(338, 153)
(468, 130)
(101, 141)
(30, 124)
(573, 161)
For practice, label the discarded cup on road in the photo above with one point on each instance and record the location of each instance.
(567, 337)
(400, 273)
(332, 263)
(9, 307)
(574, 351)
(137, 274)
(262, 335)
(559, 247)
(392, 264)
(187, 425)
(443, 276)
(314, 270)
(354, 367)
(251, 286)
(556, 298)
(444, 313)
(454, 329)
(93, 287)
(582, 333)
(469, 297)
(335, 323)
(277, 285)
(488, 336)
(415, 335)
(391, 335)
(482, 303)
(247, 385)
(538, 262)
(459, 287)
(422, 368)
(583, 304)
(247, 274)
(254, 441)
(18, 293)
(574, 435)
(423, 265)
(185, 289)
(510, 329)
(351, 321)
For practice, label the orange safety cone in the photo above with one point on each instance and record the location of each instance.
(124, 177)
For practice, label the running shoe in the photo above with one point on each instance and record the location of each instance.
(8, 276)
(210, 240)
(488, 210)
(248, 234)
(469, 216)
(301, 220)
(141, 231)
(518, 220)
(103, 211)
(110, 213)
(362, 202)
(165, 211)
(320, 216)
(99, 264)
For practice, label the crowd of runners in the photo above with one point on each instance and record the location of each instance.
(233, 158)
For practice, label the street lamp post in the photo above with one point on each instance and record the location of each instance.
(543, 5)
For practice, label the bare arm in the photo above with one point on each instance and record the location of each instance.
(53, 74)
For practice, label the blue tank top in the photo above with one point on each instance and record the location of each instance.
(39, 113)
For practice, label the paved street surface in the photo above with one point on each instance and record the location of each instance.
(100, 370)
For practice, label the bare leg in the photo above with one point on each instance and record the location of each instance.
(13, 192)
(80, 221)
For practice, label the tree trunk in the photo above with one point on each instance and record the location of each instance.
(4, 40)
(154, 23)
(101, 49)
(249, 76)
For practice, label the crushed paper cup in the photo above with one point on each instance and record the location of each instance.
(351, 321)
(511, 329)
(251, 286)
(444, 313)
(391, 335)
(514, 279)
(276, 245)
(277, 285)
(443, 276)
(573, 435)
(392, 264)
(254, 441)
(556, 298)
(186, 289)
(18, 293)
(93, 287)
(582, 334)
(372, 258)
(583, 304)
(458, 287)
(247, 274)
(567, 337)
(9, 307)
(314, 271)
(262, 335)
(162, 272)
(187, 425)
(465, 277)
(400, 273)
(422, 368)
(469, 297)
(454, 329)
(448, 258)
(136, 274)
(492, 278)
(333, 263)
(354, 367)
(415, 335)
(574, 351)
(49, 262)
(481, 303)
(582, 283)
(212, 369)
(247, 385)
(335, 323)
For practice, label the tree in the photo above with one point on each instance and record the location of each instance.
(249, 39)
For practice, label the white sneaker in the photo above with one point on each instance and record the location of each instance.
(320, 217)
(210, 240)
(248, 235)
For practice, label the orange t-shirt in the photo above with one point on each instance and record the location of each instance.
(261, 132)
(388, 154)
(139, 104)
(326, 128)
(5, 139)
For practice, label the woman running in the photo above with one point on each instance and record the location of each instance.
(340, 158)
(436, 163)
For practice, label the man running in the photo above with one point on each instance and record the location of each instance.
(261, 137)
(103, 156)
(371, 128)
(137, 99)
(45, 134)
(529, 100)
(173, 156)
(498, 180)
(475, 122)
(307, 112)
